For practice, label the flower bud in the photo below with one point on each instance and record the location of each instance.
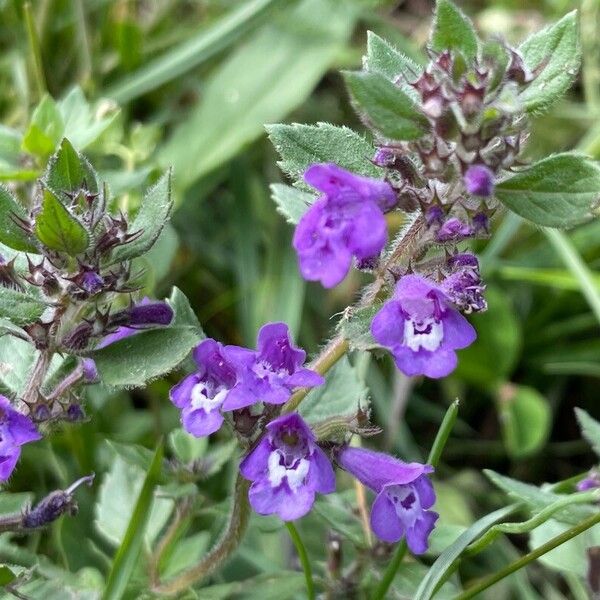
(479, 180)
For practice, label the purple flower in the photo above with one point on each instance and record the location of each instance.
(200, 396)
(463, 286)
(479, 181)
(15, 430)
(270, 373)
(590, 482)
(453, 229)
(287, 469)
(421, 329)
(92, 282)
(346, 221)
(404, 495)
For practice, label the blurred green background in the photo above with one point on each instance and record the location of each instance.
(191, 84)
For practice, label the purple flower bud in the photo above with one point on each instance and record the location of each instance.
(49, 509)
(454, 230)
(346, 221)
(287, 469)
(75, 413)
(15, 430)
(421, 328)
(481, 223)
(404, 495)
(479, 181)
(92, 282)
(590, 482)
(90, 372)
(41, 413)
(155, 313)
(384, 157)
(464, 287)
(434, 214)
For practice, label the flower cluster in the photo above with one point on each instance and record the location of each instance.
(287, 468)
(232, 378)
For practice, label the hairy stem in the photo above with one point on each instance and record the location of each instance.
(229, 541)
(304, 561)
(487, 582)
(36, 377)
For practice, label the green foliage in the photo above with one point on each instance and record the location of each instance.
(452, 30)
(343, 395)
(144, 511)
(590, 429)
(151, 218)
(558, 191)
(303, 145)
(140, 358)
(10, 233)
(526, 419)
(384, 106)
(19, 307)
(45, 130)
(68, 171)
(238, 99)
(291, 202)
(554, 54)
(58, 229)
(386, 60)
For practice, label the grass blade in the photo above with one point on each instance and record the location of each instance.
(127, 554)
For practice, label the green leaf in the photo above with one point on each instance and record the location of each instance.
(569, 557)
(590, 429)
(494, 354)
(355, 326)
(556, 50)
(14, 503)
(68, 171)
(20, 308)
(384, 59)
(16, 360)
(10, 233)
(385, 106)
(238, 98)
(559, 191)
(291, 202)
(135, 360)
(441, 568)
(538, 499)
(58, 229)
(84, 124)
(452, 30)
(140, 515)
(342, 395)
(152, 216)
(6, 575)
(187, 447)
(303, 145)
(526, 419)
(189, 54)
(45, 129)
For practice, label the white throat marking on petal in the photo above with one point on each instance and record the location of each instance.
(427, 334)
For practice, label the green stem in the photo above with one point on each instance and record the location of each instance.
(577, 266)
(330, 355)
(484, 584)
(34, 46)
(229, 541)
(443, 434)
(304, 561)
(434, 458)
(390, 572)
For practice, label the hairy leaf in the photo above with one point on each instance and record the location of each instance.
(452, 30)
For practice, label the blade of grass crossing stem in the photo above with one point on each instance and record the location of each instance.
(193, 52)
(127, 554)
(577, 266)
(304, 560)
(560, 539)
(434, 458)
